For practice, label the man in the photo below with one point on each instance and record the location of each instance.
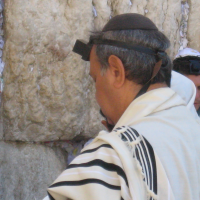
(153, 150)
(187, 62)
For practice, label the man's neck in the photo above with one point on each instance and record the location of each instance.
(128, 98)
(156, 86)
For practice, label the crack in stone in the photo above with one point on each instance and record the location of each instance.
(184, 24)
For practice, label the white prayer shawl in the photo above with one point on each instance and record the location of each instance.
(186, 89)
(108, 168)
(170, 128)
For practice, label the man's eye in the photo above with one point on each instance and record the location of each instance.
(198, 88)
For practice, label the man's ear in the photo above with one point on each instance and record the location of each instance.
(117, 70)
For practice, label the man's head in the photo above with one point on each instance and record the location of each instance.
(125, 58)
(187, 62)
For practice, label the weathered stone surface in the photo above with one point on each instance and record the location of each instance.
(28, 169)
(194, 25)
(184, 24)
(48, 94)
(1, 125)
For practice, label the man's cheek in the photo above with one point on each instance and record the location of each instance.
(97, 97)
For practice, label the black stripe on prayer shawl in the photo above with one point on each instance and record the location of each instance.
(145, 155)
(84, 182)
(139, 155)
(136, 133)
(105, 165)
(153, 160)
(151, 163)
(50, 197)
(95, 149)
(142, 156)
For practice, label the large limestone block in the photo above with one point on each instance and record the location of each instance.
(28, 169)
(48, 93)
(194, 25)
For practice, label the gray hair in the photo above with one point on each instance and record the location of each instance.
(138, 66)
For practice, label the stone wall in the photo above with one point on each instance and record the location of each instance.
(194, 25)
(48, 94)
(28, 169)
